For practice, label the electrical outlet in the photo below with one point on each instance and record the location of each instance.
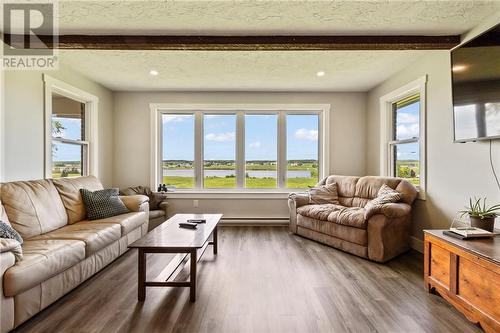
(195, 203)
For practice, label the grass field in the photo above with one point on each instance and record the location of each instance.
(218, 182)
(409, 170)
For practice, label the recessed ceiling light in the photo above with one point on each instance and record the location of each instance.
(459, 68)
(153, 72)
(320, 73)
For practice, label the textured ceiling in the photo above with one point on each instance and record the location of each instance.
(239, 71)
(339, 17)
(258, 71)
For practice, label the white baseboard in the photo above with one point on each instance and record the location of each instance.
(416, 244)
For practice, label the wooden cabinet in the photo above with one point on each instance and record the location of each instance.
(467, 274)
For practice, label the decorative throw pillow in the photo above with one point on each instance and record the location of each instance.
(324, 194)
(11, 240)
(103, 203)
(385, 195)
(6, 231)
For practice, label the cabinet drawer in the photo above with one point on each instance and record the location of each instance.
(479, 286)
(440, 265)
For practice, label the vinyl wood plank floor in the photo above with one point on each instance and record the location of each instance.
(263, 280)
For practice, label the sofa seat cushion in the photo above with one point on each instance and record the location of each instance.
(95, 235)
(350, 216)
(353, 235)
(42, 259)
(154, 214)
(127, 222)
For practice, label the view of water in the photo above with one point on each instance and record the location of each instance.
(224, 173)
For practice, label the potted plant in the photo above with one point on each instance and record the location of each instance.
(481, 216)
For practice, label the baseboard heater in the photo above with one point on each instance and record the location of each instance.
(264, 221)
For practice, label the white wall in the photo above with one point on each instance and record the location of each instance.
(24, 123)
(132, 135)
(454, 171)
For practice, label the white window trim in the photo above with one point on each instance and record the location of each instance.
(323, 110)
(53, 85)
(386, 127)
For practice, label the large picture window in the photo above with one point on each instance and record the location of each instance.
(240, 149)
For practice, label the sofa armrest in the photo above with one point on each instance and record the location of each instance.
(136, 203)
(390, 210)
(388, 236)
(299, 199)
(7, 260)
(163, 205)
(296, 200)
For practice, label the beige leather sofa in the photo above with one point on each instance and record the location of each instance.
(379, 234)
(61, 248)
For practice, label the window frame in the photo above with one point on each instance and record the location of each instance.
(157, 109)
(90, 156)
(387, 130)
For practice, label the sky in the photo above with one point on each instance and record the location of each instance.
(408, 127)
(220, 137)
(72, 130)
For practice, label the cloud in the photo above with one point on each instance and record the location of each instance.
(407, 131)
(305, 134)
(256, 144)
(406, 118)
(220, 137)
(169, 118)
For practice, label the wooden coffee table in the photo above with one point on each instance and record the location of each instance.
(170, 238)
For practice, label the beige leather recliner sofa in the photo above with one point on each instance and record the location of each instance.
(377, 234)
(61, 248)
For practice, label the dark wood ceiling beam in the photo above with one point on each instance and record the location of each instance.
(249, 43)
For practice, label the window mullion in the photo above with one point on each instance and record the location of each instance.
(240, 149)
(198, 149)
(282, 150)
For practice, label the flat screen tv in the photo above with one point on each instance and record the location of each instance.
(476, 88)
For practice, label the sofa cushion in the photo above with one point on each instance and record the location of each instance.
(324, 194)
(154, 214)
(34, 207)
(127, 222)
(69, 190)
(385, 195)
(350, 216)
(103, 203)
(42, 260)
(353, 235)
(3, 213)
(95, 235)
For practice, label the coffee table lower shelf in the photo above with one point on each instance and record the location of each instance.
(185, 255)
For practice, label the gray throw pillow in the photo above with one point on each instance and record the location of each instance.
(6, 231)
(103, 203)
(10, 239)
(324, 194)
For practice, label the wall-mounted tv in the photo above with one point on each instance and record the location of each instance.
(476, 88)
